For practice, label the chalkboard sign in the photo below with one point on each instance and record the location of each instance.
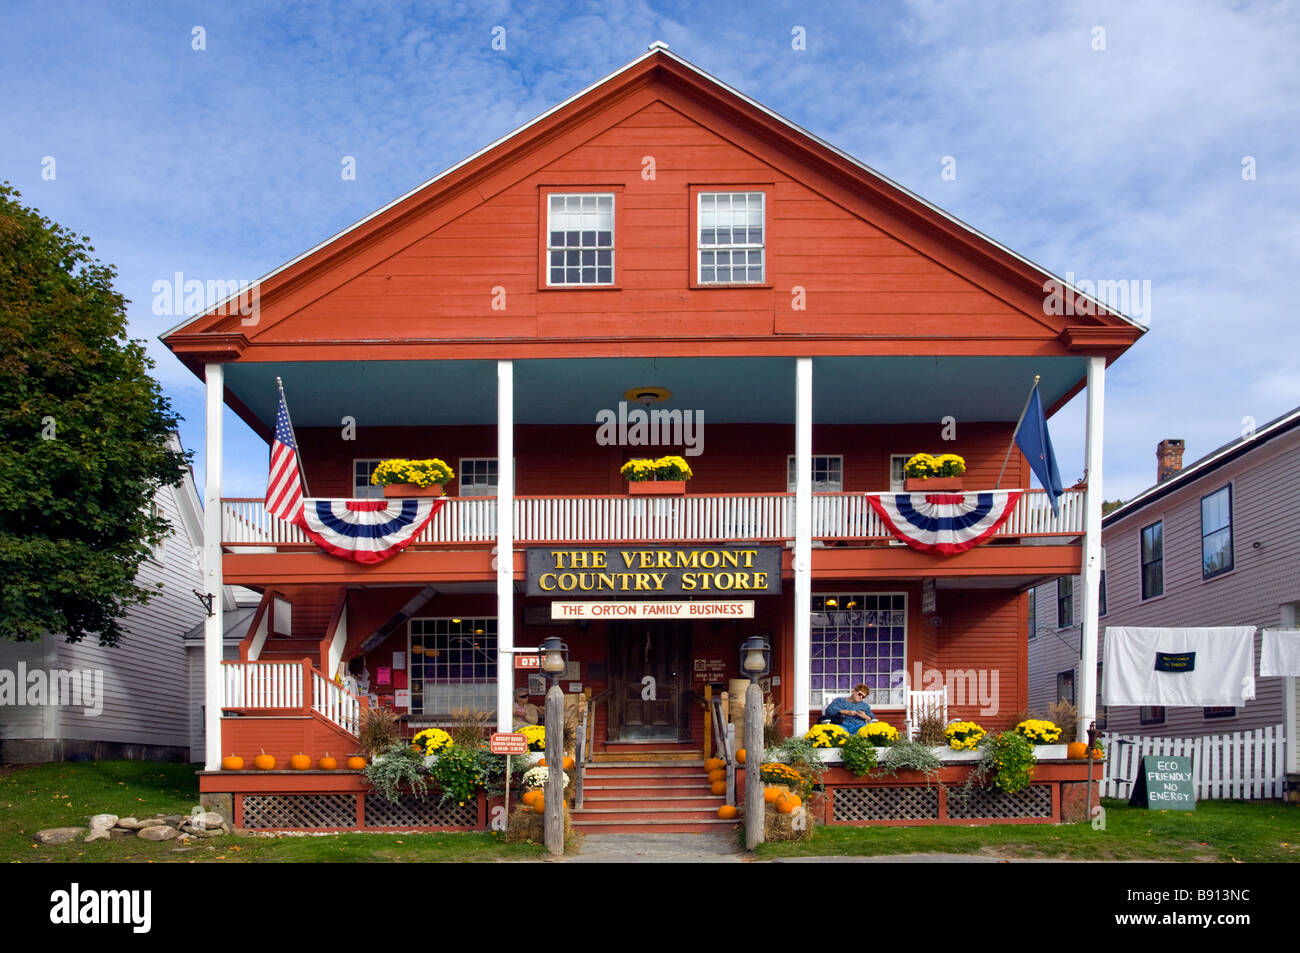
(1165, 782)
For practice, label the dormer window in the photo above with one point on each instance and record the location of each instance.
(580, 239)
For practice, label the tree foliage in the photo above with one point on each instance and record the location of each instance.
(83, 437)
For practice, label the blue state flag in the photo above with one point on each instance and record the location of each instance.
(1036, 445)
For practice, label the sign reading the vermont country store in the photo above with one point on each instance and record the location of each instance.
(661, 571)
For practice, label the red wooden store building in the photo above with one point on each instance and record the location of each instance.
(794, 323)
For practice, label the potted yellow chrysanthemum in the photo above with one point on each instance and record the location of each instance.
(407, 478)
(926, 474)
(660, 477)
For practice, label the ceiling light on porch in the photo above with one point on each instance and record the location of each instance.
(832, 603)
(647, 395)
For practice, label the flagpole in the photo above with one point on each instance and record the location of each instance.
(302, 469)
(1014, 431)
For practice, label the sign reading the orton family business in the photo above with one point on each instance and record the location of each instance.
(736, 609)
(655, 571)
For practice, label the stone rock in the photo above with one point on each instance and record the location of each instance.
(128, 823)
(207, 819)
(97, 833)
(158, 832)
(103, 822)
(57, 835)
(117, 833)
(150, 822)
(202, 831)
(173, 819)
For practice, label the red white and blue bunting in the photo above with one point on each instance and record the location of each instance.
(946, 523)
(366, 531)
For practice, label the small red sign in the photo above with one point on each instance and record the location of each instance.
(528, 662)
(512, 743)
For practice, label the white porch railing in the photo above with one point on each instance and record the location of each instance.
(1247, 765)
(335, 704)
(282, 686)
(585, 519)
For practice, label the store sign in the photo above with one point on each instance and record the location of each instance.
(658, 571)
(626, 611)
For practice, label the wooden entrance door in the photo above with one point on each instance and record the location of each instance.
(649, 681)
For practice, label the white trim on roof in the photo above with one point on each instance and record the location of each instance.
(662, 48)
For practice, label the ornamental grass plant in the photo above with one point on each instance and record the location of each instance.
(378, 731)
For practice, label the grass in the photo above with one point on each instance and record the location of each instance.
(37, 797)
(1267, 831)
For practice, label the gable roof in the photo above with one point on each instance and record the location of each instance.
(1212, 461)
(216, 335)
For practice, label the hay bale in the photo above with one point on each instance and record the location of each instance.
(528, 826)
(780, 827)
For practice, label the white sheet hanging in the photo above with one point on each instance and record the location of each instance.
(1222, 672)
(1279, 653)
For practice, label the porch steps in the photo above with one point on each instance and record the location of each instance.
(290, 650)
(649, 797)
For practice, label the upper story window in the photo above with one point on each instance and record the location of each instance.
(478, 476)
(1153, 561)
(1216, 532)
(731, 238)
(827, 474)
(1033, 613)
(1101, 592)
(1065, 602)
(362, 489)
(580, 239)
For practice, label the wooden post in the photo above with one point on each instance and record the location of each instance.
(708, 722)
(555, 770)
(755, 832)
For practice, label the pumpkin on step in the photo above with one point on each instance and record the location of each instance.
(356, 763)
(713, 764)
(727, 812)
(232, 762)
(718, 787)
(264, 761)
(327, 763)
(718, 775)
(299, 762)
(740, 756)
(1077, 750)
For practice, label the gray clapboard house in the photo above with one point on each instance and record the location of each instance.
(137, 699)
(1216, 543)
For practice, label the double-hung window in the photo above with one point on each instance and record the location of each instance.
(362, 488)
(731, 238)
(1216, 532)
(1153, 560)
(1065, 602)
(580, 239)
(478, 476)
(827, 474)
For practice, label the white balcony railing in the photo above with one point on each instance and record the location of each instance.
(589, 519)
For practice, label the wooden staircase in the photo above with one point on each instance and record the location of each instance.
(649, 797)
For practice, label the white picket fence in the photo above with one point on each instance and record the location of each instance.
(1247, 765)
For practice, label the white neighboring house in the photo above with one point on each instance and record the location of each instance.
(1216, 543)
(146, 707)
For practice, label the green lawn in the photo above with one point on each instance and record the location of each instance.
(1215, 831)
(36, 797)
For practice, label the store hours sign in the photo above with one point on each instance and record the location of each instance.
(658, 571)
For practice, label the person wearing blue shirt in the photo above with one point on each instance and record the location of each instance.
(851, 713)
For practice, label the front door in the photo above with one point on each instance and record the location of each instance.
(649, 681)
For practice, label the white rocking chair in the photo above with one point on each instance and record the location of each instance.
(923, 704)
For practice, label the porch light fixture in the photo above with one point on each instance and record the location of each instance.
(555, 657)
(756, 657)
(647, 395)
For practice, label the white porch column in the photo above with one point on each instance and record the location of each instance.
(505, 549)
(213, 689)
(802, 681)
(1091, 546)
(1290, 710)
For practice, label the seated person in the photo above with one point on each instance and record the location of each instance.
(525, 713)
(851, 713)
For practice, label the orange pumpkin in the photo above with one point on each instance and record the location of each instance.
(718, 775)
(712, 764)
(542, 762)
(771, 794)
(530, 796)
(299, 762)
(786, 803)
(727, 812)
(539, 803)
(1098, 754)
(568, 763)
(232, 763)
(740, 756)
(356, 763)
(718, 787)
(264, 762)
(1077, 750)
(327, 763)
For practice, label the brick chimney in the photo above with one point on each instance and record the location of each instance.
(1169, 459)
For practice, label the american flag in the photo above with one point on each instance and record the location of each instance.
(284, 484)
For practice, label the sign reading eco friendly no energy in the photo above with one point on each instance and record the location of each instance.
(660, 571)
(1165, 781)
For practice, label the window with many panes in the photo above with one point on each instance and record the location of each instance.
(453, 664)
(362, 489)
(898, 471)
(827, 474)
(1216, 532)
(1153, 561)
(731, 237)
(478, 476)
(580, 239)
(1065, 686)
(1065, 602)
(858, 638)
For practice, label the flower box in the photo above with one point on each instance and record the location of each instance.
(408, 490)
(933, 485)
(1051, 752)
(656, 487)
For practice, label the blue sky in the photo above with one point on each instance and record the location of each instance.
(1116, 163)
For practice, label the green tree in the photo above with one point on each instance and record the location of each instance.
(83, 437)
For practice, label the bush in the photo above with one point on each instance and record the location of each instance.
(859, 754)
